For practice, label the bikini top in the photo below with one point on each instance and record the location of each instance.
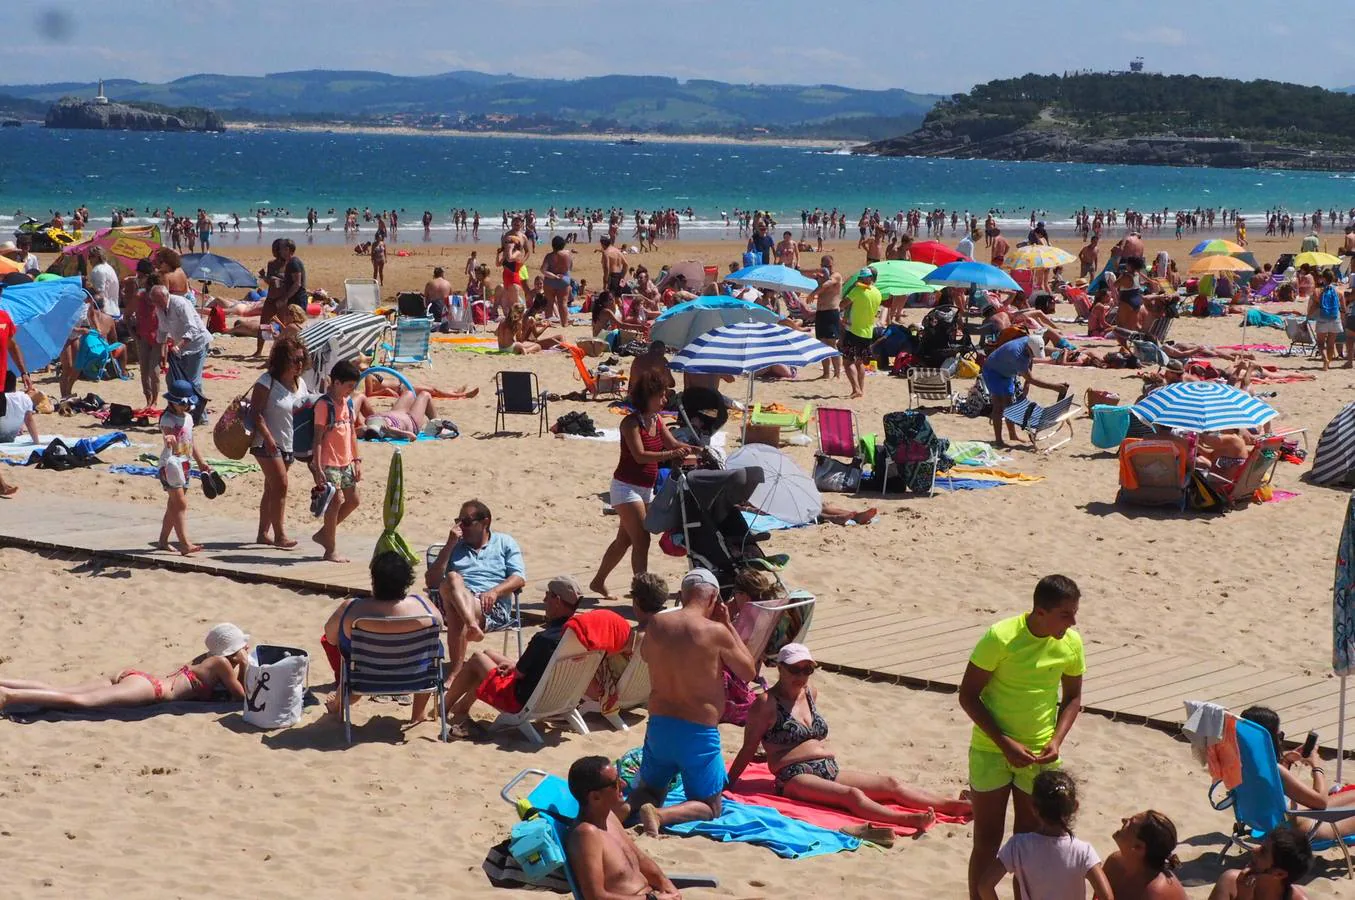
(789, 731)
(346, 640)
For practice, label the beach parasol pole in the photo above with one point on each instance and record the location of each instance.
(1343, 623)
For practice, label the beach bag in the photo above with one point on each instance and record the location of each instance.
(93, 356)
(1331, 303)
(536, 847)
(966, 367)
(230, 434)
(275, 686)
(835, 476)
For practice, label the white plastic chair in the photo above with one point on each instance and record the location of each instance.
(361, 294)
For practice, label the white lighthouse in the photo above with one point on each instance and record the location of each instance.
(101, 99)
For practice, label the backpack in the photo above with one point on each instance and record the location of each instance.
(303, 425)
(1331, 303)
(93, 356)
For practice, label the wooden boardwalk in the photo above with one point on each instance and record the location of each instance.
(866, 640)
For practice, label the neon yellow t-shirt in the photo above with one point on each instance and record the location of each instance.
(865, 306)
(1023, 694)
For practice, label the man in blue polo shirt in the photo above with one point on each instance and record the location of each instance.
(1001, 371)
(474, 579)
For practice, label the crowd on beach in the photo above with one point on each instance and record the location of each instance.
(1022, 686)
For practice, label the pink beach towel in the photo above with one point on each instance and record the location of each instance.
(1279, 496)
(757, 785)
(1256, 348)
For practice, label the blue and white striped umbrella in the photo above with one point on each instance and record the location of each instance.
(748, 347)
(772, 278)
(1203, 406)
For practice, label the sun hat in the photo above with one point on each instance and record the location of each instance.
(181, 392)
(791, 654)
(566, 587)
(225, 639)
(867, 272)
(700, 576)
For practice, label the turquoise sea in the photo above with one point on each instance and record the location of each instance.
(240, 170)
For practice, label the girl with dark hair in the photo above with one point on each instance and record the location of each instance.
(1284, 857)
(1144, 862)
(1048, 862)
(646, 441)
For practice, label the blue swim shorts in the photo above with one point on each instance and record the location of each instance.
(1000, 387)
(674, 746)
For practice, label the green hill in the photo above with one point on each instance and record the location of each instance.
(478, 100)
(1139, 118)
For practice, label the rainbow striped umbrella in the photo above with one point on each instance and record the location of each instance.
(1218, 245)
(1213, 265)
(1038, 256)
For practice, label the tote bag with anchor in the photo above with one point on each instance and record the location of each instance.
(275, 686)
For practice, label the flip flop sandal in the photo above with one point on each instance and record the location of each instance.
(208, 488)
(217, 482)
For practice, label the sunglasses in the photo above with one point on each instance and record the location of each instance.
(804, 670)
(466, 520)
(612, 785)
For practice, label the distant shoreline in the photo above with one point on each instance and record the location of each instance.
(644, 138)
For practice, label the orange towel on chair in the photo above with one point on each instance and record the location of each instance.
(1225, 761)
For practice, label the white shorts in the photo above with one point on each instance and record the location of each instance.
(1328, 326)
(622, 492)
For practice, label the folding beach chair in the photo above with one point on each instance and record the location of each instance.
(767, 626)
(412, 338)
(557, 696)
(551, 798)
(392, 657)
(837, 432)
(932, 385)
(632, 687)
(1148, 353)
(792, 422)
(1302, 337)
(361, 294)
(1160, 328)
(596, 385)
(1258, 803)
(1043, 422)
(913, 451)
(514, 627)
(1241, 484)
(411, 304)
(459, 315)
(1154, 473)
(519, 394)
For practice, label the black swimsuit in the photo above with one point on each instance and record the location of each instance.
(789, 732)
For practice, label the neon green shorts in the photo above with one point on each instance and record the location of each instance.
(990, 771)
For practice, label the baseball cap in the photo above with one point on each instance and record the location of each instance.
(794, 653)
(867, 272)
(700, 576)
(1036, 345)
(566, 588)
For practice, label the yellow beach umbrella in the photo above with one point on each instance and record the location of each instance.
(1213, 265)
(1313, 258)
(1038, 256)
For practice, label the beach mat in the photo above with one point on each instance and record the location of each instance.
(24, 446)
(757, 786)
(29, 715)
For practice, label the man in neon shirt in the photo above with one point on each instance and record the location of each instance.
(861, 307)
(1011, 692)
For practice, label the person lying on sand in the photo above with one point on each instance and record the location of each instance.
(392, 576)
(606, 860)
(411, 415)
(222, 666)
(374, 384)
(786, 721)
(502, 683)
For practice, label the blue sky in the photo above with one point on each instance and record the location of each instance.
(929, 46)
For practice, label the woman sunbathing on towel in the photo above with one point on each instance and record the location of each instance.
(374, 384)
(222, 666)
(786, 721)
(413, 414)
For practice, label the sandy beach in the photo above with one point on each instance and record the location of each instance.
(160, 807)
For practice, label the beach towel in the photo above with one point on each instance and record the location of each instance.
(1110, 425)
(600, 629)
(975, 453)
(225, 373)
(23, 445)
(758, 521)
(763, 826)
(396, 440)
(757, 786)
(1256, 318)
(1279, 496)
(960, 483)
(1256, 348)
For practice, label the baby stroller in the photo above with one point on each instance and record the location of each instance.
(701, 510)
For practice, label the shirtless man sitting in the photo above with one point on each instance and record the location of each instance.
(687, 652)
(607, 863)
(436, 293)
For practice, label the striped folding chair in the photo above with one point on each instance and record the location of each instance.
(392, 657)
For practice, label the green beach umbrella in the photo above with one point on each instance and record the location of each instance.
(392, 511)
(898, 278)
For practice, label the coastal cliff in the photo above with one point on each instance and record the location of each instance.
(1137, 119)
(73, 113)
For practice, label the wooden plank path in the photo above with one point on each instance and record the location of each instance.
(864, 639)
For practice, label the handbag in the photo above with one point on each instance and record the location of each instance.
(230, 434)
(835, 476)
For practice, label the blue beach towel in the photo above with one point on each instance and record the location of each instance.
(758, 521)
(763, 826)
(1256, 317)
(1110, 425)
(952, 483)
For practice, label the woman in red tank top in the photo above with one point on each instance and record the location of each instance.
(645, 443)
